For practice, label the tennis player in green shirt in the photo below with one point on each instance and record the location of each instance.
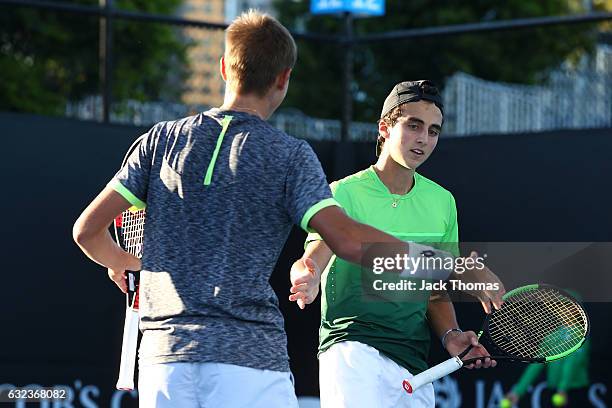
(368, 347)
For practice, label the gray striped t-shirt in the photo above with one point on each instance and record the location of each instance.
(220, 205)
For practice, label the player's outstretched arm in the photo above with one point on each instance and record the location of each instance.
(345, 237)
(361, 244)
(90, 232)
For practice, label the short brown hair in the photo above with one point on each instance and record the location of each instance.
(258, 49)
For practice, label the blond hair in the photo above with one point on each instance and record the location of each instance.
(257, 49)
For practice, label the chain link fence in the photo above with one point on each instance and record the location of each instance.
(571, 99)
(292, 122)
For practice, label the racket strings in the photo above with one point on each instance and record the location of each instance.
(553, 314)
(547, 317)
(132, 231)
(538, 324)
(540, 345)
(520, 341)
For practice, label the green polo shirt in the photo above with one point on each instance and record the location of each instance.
(398, 326)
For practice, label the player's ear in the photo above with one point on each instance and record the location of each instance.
(384, 130)
(282, 80)
(222, 69)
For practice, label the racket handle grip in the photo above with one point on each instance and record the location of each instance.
(434, 373)
(128, 350)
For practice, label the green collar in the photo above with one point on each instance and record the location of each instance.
(383, 188)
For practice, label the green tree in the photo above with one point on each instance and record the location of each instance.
(523, 56)
(49, 57)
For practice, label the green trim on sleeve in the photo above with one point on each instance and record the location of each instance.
(127, 194)
(211, 166)
(328, 202)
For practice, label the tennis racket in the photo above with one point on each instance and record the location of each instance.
(129, 227)
(536, 324)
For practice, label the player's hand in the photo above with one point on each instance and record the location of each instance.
(456, 342)
(132, 262)
(484, 275)
(118, 276)
(305, 278)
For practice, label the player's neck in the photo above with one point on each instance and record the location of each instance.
(251, 104)
(398, 179)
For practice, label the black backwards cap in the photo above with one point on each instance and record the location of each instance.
(410, 91)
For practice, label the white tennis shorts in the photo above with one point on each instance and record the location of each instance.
(213, 385)
(355, 375)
